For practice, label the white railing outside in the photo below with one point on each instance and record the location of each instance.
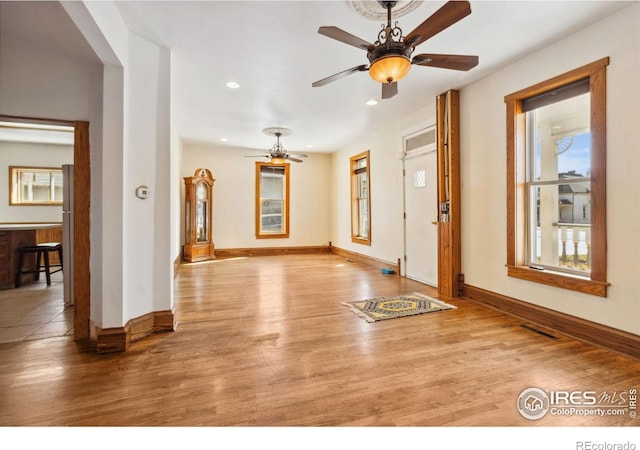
(574, 245)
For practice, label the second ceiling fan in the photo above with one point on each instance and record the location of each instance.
(390, 56)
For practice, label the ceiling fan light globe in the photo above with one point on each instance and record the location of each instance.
(389, 69)
(278, 160)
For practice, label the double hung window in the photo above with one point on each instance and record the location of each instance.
(556, 180)
(272, 200)
(360, 199)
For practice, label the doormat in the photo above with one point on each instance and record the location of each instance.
(381, 308)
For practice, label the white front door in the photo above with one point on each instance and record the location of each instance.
(421, 215)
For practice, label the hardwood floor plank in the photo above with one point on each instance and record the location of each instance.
(264, 341)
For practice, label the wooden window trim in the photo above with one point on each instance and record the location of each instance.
(597, 283)
(355, 221)
(259, 234)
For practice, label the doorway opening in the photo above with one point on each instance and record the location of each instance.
(76, 273)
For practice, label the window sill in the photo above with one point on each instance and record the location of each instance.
(358, 240)
(574, 283)
(272, 236)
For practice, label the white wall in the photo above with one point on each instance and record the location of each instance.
(132, 274)
(30, 155)
(234, 196)
(148, 272)
(387, 226)
(28, 75)
(483, 165)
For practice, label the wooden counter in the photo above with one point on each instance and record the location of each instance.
(15, 235)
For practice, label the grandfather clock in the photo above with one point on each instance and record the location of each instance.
(198, 225)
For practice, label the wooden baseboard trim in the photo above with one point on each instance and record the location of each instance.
(581, 329)
(118, 339)
(367, 260)
(269, 251)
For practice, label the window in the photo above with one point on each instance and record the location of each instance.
(35, 186)
(360, 199)
(556, 181)
(272, 200)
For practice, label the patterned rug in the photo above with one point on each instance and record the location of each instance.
(382, 308)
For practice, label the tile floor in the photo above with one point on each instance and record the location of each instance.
(35, 311)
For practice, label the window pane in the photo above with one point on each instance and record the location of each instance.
(363, 232)
(272, 182)
(271, 216)
(40, 193)
(57, 186)
(560, 139)
(559, 226)
(363, 203)
(574, 156)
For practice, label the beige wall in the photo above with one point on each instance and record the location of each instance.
(234, 196)
(387, 183)
(483, 161)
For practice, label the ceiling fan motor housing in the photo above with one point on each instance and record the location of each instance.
(389, 56)
(389, 62)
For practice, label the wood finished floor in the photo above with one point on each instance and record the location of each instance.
(264, 341)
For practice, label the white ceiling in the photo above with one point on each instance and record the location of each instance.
(272, 49)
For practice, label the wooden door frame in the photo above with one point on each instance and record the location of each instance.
(82, 241)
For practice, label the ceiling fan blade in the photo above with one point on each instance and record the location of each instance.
(256, 156)
(293, 159)
(443, 18)
(389, 90)
(297, 155)
(455, 62)
(339, 75)
(342, 36)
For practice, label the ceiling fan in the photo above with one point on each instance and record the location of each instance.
(277, 154)
(390, 56)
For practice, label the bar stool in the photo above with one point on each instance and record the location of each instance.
(42, 252)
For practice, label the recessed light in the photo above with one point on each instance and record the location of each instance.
(309, 146)
(372, 102)
(224, 139)
(232, 85)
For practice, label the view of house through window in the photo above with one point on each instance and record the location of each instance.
(272, 200)
(35, 185)
(558, 184)
(360, 199)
